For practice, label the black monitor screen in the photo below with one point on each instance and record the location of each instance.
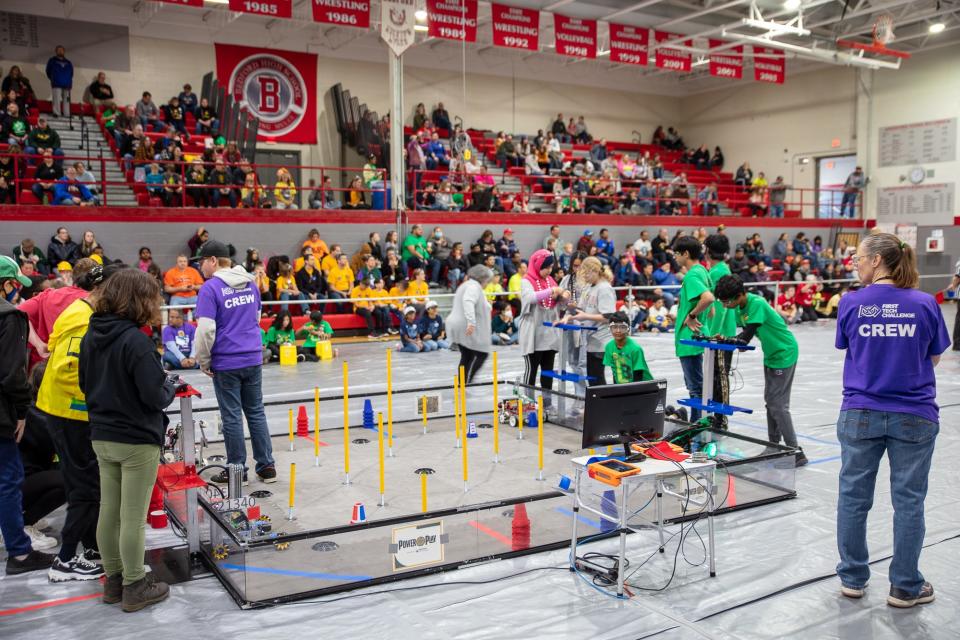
(622, 413)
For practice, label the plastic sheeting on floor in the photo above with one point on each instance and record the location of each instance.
(775, 563)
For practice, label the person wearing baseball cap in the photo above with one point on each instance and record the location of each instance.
(410, 331)
(14, 402)
(228, 349)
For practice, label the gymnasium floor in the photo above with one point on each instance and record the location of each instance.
(775, 563)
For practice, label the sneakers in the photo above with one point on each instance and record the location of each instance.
(393, 332)
(35, 561)
(113, 589)
(38, 540)
(224, 478)
(801, 459)
(78, 568)
(268, 474)
(852, 592)
(301, 357)
(93, 556)
(144, 592)
(903, 600)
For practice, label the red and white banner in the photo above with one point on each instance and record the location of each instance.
(669, 58)
(727, 63)
(628, 44)
(575, 37)
(277, 87)
(769, 65)
(346, 13)
(272, 8)
(515, 28)
(452, 19)
(184, 3)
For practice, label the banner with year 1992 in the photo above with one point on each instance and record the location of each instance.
(346, 13)
(272, 8)
(515, 28)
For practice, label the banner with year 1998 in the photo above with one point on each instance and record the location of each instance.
(575, 36)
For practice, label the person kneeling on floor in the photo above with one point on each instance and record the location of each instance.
(410, 341)
(315, 331)
(432, 331)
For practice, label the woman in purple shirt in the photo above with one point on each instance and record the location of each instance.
(893, 335)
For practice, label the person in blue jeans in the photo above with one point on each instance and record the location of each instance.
(179, 346)
(432, 331)
(410, 341)
(893, 335)
(229, 349)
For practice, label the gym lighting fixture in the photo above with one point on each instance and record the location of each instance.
(420, 15)
(791, 5)
(937, 27)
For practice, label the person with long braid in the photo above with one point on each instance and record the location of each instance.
(539, 295)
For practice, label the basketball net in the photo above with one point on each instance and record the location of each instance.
(883, 31)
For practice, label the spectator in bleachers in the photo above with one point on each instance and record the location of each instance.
(701, 158)
(854, 184)
(356, 197)
(708, 198)
(188, 99)
(508, 155)
(252, 195)
(716, 162)
(172, 194)
(206, 116)
(780, 248)
(182, 282)
(664, 278)
(419, 117)
(415, 253)
(285, 190)
(60, 73)
(221, 182)
(340, 277)
(62, 248)
(441, 118)
(46, 176)
(87, 177)
(760, 182)
(88, 244)
(124, 123)
(777, 195)
(739, 262)
(148, 113)
(435, 153)
(286, 288)
(370, 271)
(179, 347)
(99, 92)
(457, 266)
(605, 248)
(786, 306)
(585, 242)
(381, 307)
(154, 180)
(11, 97)
(12, 171)
(505, 250)
(625, 272)
(559, 129)
(598, 152)
(757, 202)
(145, 259)
(27, 251)
(658, 136)
(16, 81)
(175, 115)
(196, 181)
(365, 309)
(16, 127)
(673, 140)
(143, 158)
(801, 245)
(744, 176)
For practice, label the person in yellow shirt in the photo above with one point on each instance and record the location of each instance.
(492, 289)
(382, 305)
(513, 286)
(418, 290)
(287, 289)
(285, 190)
(340, 280)
(330, 260)
(365, 309)
(318, 246)
(397, 300)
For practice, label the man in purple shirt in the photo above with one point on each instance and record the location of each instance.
(228, 349)
(179, 346)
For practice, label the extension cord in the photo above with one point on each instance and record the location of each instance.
(585, 566)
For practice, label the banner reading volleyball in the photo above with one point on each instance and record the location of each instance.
(347, 13)
(769, 65)
(279, 88)
(452, 19)
(397, 24)
(669, 58)
(629, 45)
(515, 28)
(575, 37)
(272, 8)
(727, 63)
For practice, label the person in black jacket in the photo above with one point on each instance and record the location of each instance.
(14, 402)
(126, 390)
(62, 248)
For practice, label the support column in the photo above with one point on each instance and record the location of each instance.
(397, 142)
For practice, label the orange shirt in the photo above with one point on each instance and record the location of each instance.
(382, 296)
(319, 248)
(357, 292)
(177, 277)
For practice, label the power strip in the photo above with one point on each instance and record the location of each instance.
(609, 574)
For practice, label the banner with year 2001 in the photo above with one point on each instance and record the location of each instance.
(515, 28)
(346, 13)
(669, 58)
(575, 36)
(727, 63)
(452, 19)
(769, 65)
(272, 8)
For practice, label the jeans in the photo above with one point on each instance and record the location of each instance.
(127, 475)
(433, 345)
(32, 151)
(909, 441)
(239, 394)
(11, 500)
(214, 126)
(849, 199)
(215, 196)
(411, 347)
(173, 360)
(81, 479)
(434, 273)
(693, 379)
(304, 309)
(454, 276)
(776, 210)
(511, 339)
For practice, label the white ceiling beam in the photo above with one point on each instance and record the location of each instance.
(910, 20)
(631, 9)
(866, 11)
(703, 12)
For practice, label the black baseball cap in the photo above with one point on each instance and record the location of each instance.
(214, 249)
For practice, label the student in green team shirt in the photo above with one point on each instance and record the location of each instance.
(780, 353)
(624, 356)
(723, 323)
(694, 309)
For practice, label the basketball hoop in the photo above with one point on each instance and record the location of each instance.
(882, 36)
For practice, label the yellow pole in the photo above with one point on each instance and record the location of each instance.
(293, 485)
(346, 424)
(383, 484)
(463, 426)
(423, 492)
(456, 408)
(316, 426)
(291, 429)
(609, 450)
(496, 414)
(390, 398)
(540, 437)
(424, 411)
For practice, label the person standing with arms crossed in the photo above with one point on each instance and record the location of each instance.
(893, 336)
(60, 73)
(780, 354)
(695, 300)
(228, 349)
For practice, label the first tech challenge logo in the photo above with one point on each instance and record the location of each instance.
(271, 90)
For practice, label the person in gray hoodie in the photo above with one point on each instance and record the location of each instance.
(468, 325)
(229, 350)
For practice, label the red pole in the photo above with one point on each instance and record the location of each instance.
(16, 179)
(103, 179)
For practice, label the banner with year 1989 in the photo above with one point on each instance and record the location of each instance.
(452, 19)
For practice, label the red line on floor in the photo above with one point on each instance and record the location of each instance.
(493, 534)
(49, 603)
(310, 438)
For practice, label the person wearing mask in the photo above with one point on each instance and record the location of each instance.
(893, 336)
(469, 322)
(597, 302)
(539, 295)
(229, 350)
(695, 300)
(14, 403)
(60, 74)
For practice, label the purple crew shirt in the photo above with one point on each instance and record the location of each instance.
(237, 313)
(890, 335)
(181, 336)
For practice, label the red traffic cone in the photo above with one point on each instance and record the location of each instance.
(731, 490)
(303, 423)
(520, 531)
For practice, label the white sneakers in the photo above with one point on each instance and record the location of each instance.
(37, 538)
(80, 567)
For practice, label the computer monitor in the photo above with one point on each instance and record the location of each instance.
(623, 413)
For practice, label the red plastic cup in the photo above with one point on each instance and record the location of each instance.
(158, 519)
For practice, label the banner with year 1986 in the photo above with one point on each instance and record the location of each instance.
(346, 13)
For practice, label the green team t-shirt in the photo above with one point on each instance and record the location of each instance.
(779, 346)
(419, 242)
(623, 362)
(310, 340)
(695, 284)
(723, 321)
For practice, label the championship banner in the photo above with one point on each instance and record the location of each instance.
(346, 13)
(672, 59)
(277, 87)
(452, 19)
(184, 3)
(727, 63)
(769, 65)
(397, 24)
(515, 28)
(272, 8)
(628, 44)
(575, 37)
